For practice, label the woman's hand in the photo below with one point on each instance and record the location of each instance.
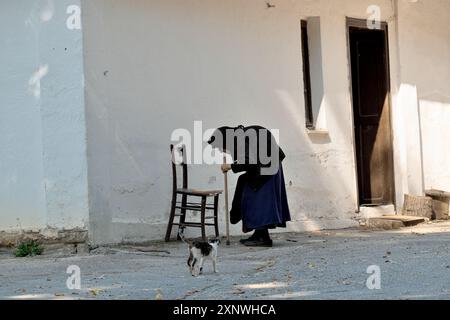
(226, 167)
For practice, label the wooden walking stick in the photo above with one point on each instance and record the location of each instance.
(227, 212)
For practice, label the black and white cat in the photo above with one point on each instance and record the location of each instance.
(199, 251)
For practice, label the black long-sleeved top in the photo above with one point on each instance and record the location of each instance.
(250, 160)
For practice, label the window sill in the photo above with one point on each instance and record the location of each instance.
(318, 132)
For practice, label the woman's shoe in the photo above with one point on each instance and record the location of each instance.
(252, 238)
(266, 243)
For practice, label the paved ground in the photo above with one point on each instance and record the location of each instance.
(414, 263)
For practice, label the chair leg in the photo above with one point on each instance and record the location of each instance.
(171, 218)
(216, 215)
(203, 215)
(183, 213)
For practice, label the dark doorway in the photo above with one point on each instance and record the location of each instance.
(371, 109)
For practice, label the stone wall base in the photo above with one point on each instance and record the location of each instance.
(46, 236)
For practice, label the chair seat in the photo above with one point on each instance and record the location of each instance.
(200, 193)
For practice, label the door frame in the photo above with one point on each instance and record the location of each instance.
(362, 24)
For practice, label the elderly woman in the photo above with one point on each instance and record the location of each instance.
(260, 199)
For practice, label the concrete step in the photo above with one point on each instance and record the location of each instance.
(392, 222)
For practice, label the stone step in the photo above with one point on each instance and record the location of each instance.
(408, 221)
(392, 222)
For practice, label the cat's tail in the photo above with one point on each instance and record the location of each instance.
(181, 235)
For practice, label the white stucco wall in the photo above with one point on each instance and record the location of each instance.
(153, 66)
(43, 169)
(424, 41)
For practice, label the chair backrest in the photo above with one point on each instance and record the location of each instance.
(181, 151)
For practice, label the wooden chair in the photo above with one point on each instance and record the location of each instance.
(179, 208)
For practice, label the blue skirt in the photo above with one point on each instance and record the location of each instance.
(267, 207)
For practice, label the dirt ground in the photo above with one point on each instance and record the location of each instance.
(414, 263)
